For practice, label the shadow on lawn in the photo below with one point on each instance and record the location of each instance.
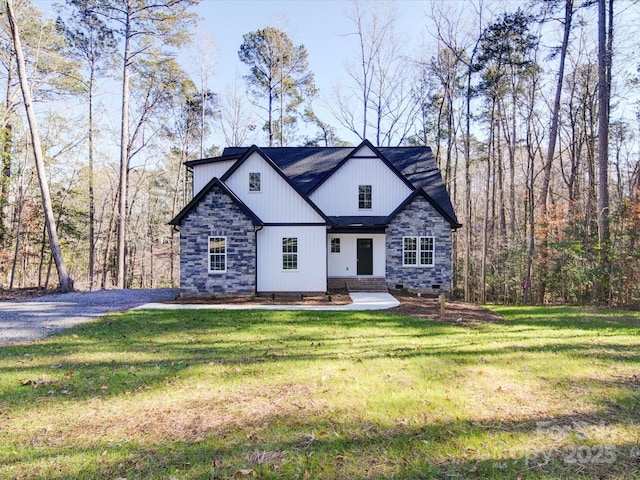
(587, 318)
(324, 447)
(553, 447)
(140, 350)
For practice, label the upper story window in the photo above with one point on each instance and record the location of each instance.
(255, 184)
(417, 251)
(217, 254)
(364, 196)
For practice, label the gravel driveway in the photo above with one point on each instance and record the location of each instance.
(35, 318)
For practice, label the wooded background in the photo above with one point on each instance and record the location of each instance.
(533, 113)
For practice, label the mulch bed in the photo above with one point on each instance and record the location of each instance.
(428, 307)
(341, 298)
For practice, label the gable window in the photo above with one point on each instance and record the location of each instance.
(364, 196)
(335, 245)
(217, 254)
(290, 253)
(417, 251)
(255, 184)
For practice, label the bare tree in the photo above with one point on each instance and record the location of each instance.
(381, 103)
(140, 24)
(65, 281)
(236, 119)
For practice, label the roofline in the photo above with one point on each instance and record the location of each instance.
(452, 222)
(368, 144)
(265, 157)
(221, 158)
(215, 181)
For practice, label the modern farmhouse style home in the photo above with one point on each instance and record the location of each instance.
(313, 219)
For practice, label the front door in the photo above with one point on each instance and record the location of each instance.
(365, 256)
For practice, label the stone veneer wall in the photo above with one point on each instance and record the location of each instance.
(217, 215)
(419, 218)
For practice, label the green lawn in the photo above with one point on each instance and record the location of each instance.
(545, 393)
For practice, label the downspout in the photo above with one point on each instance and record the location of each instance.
(256, 229)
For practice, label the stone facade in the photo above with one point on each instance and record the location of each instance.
(217, 215)
(419, 218)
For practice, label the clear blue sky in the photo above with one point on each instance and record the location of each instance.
(320, 25)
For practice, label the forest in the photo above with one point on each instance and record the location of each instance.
(532, 111)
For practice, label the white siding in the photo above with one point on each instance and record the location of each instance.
(338, 196)
(277, 202)
(344, 264)
(364, 152)
(202, 174)
(311, 275)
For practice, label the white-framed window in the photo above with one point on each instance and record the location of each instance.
(217, 254)
(418, 251)
(335, 245)
(255, 183)
(364, 197)
(290, 253)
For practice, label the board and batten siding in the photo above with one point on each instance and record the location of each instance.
(277, 201)
(311, 274)
(345, 263)
(202, 174)
(338, 195)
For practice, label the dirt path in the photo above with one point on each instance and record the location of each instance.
(35, 318)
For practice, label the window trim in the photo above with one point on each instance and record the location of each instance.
(365, 197)
(418, 251)
(336, 247)
(211, 255)
(290, 257)
(258, 176)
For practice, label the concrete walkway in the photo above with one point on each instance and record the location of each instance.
(361, 301)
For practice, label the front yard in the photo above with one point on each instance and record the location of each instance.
(541, 393)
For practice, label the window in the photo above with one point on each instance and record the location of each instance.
(417, 251)
(364, 196)
(335, 245)
(217, 254)
(290, 253)
(254, 182)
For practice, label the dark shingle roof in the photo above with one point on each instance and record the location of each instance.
(306, 167)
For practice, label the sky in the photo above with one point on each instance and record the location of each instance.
(323, 27)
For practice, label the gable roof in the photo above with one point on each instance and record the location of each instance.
(215, 182)
(420, 192)
(278, 169)
(306, 168)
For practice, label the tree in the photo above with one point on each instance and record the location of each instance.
(605, 42)
(384, 106)
(140, 24)
(93, 43)
(65, 281)
(553, 137)
(236, 119)
(279, 73)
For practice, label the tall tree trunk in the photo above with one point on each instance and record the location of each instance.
(18, 222)
(5, 168)
(604, 66)
(65, 281)
(124, 158)
(92, 206)
(553, 137)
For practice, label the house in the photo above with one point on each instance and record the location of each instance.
(315, 219)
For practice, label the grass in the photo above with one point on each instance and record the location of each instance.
(545, 393)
